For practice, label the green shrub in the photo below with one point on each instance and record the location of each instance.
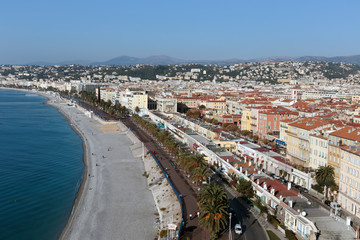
(290, 235)
(272, 219)
(259, 205)
(317, 188)
(272, 235)
(163, 233)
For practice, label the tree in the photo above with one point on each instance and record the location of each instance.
(232, 128)
(137, 109)
(201, 173)
(324, 176)
(202, 107)
(214, 209)
(245, 188)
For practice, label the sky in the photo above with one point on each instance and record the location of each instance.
(61, 30)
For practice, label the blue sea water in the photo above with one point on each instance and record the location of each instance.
(41, 168)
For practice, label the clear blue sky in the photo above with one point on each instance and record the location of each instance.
(58, 30)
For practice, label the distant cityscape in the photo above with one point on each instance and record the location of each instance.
(276, 124)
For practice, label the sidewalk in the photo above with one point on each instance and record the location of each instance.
(191, 228)
(355, 222)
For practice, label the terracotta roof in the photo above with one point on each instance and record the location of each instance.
(349, 132)
(309, 123)
(230, 159)
(280, 189)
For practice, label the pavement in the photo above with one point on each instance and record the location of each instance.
(192, 228)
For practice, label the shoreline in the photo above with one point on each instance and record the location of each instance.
(80, 194)
(100, 204)
(88, 205)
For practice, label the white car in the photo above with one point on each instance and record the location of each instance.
(238, 229)
(335, 206)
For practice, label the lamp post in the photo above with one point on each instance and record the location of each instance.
(230, 235)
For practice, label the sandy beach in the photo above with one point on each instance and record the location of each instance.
(114, 201)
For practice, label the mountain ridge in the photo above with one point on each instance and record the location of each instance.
(165, 60)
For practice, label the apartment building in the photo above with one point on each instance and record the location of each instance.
(298, 144)
(108, 94)
(347, 136)
(218, 106)
(246, 119)
(166, 103)
(318, 150)
(190, 102)
(233, 107)
(269, 120)
(134, 97)
(254, 117)
(283, 128)
(349, 182)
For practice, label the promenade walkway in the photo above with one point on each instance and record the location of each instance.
(192, 228)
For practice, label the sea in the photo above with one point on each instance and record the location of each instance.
(41, 167)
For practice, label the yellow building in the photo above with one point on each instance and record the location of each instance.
(347, 136)
(318, 151)
(190, 102)
(133, 98)
(349, 181)
(246, 119)
(298, 142)
(228, 145)
(218, 105)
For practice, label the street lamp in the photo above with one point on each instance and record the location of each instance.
(230, 235)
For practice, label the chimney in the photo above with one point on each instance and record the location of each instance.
(291, 203)
(289, 186)
(246, 172)
(265, 186)
(272, 191)
(258, 181)
(241, 169)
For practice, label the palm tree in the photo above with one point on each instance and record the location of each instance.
(201, 173)
(324, 176)
(212, 193)
(214, 209)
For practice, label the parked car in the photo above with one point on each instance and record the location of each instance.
(327, 202)
(335, 206)
(303, 189)
(283, 180)
(238, 229)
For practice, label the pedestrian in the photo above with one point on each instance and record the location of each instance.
(190, 216)
(198, 214)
